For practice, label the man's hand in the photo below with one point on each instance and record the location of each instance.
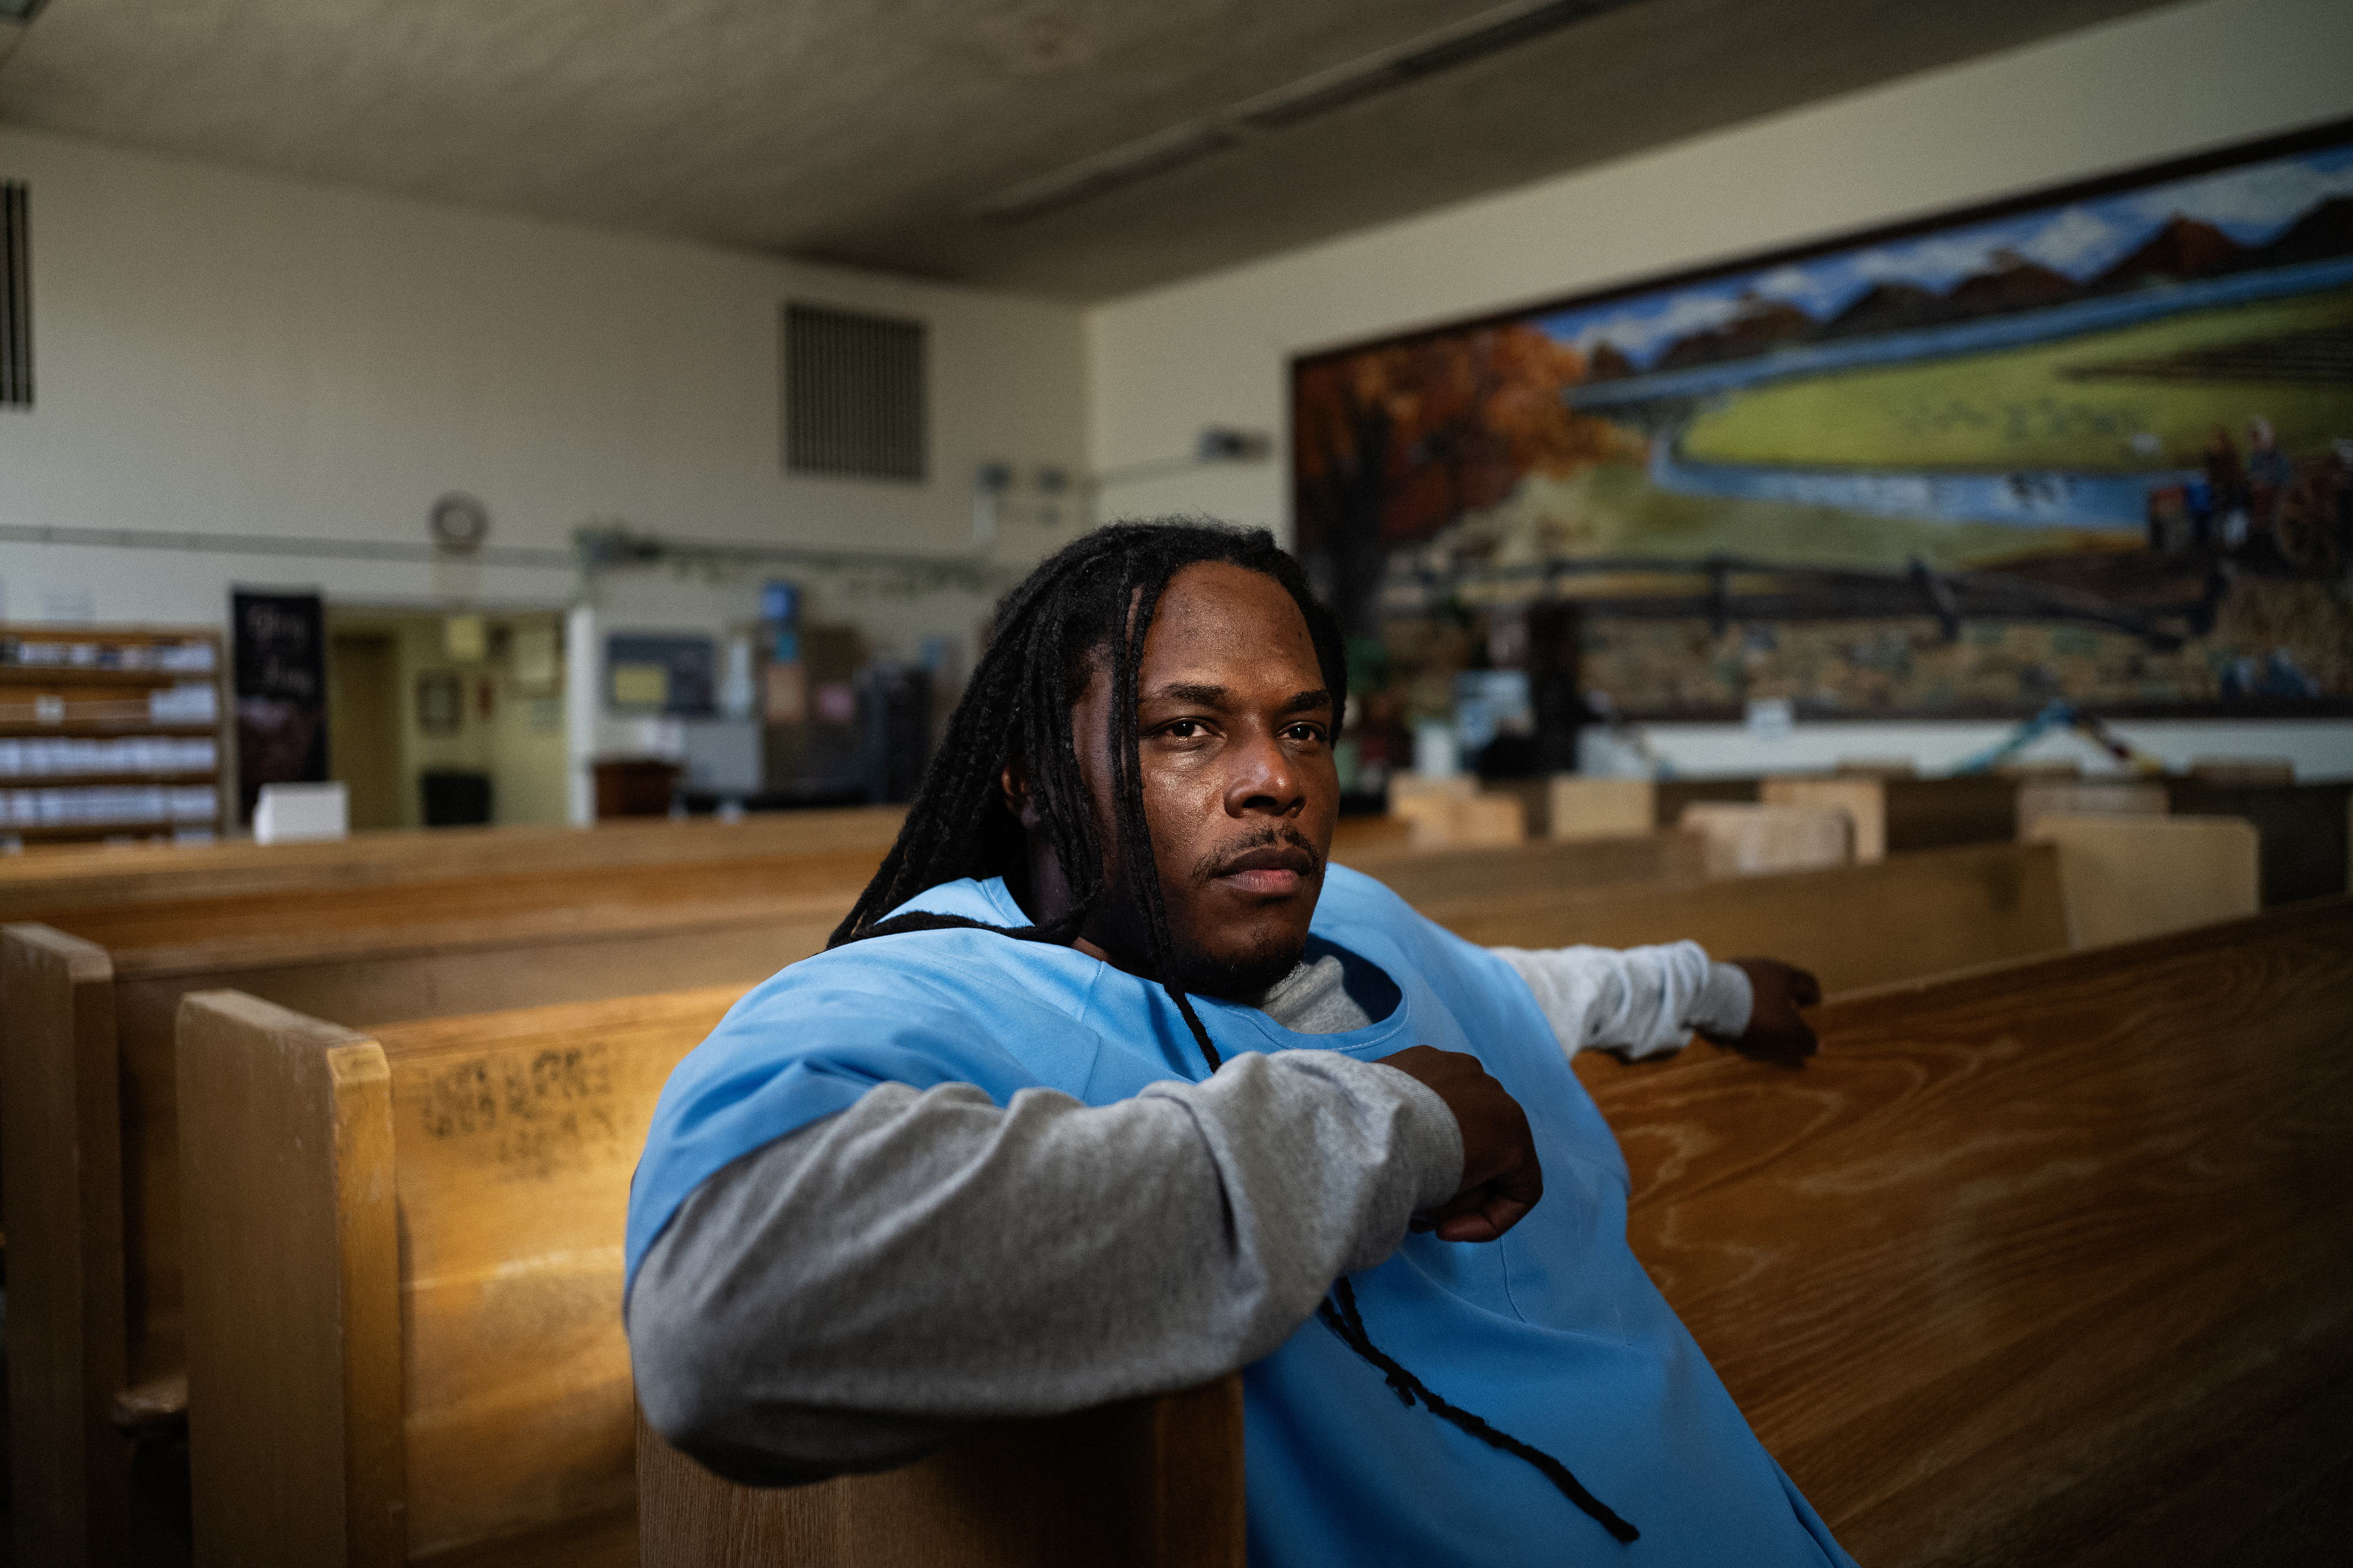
(1500, 1177)
(1776, 1034)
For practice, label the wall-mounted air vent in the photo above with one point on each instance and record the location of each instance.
(15, 299)
(853, 394)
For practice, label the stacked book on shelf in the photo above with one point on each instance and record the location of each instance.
(109, 733)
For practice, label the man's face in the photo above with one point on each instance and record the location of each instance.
(1235, 737)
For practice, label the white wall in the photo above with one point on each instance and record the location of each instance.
(221, 353)
(2163, 84)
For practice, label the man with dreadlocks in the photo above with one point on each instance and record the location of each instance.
(1110, 1085)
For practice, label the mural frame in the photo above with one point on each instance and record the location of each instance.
(1372, 586)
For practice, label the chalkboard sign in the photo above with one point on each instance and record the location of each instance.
(280, 666)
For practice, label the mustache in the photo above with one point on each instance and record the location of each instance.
(1283, 846)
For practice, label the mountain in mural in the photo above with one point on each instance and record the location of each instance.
(2014, 284)
(2182, 248)
(2178, 250)
(1884, 307)
(1761, 323)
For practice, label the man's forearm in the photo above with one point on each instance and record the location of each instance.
(839, 1299)
(1641, 1000)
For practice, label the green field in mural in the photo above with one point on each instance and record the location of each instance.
(2102, 401)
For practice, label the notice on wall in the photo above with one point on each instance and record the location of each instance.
(280, 671)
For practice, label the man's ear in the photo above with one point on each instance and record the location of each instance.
(1015, 784)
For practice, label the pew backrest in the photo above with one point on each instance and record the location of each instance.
(1754, 840)
(2306, 830)
(1940, 812)
(482, 1359)
(1420, 877)
(1854, 926)
(1467, 818)
(2070, 797)
(292, 1307)
(2132, 876)
(2024, 1259)
(1579, 808)
(1153, 1483)
(1865, 801)
(37, 885)
(59, 1137)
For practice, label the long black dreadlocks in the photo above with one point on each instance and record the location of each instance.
(1094, 597)
(1073, 609)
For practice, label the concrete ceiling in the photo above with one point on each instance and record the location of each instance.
(876, 133)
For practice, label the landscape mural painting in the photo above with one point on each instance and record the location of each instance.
(2094, 446)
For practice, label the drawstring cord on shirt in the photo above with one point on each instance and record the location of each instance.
(1344, 1320)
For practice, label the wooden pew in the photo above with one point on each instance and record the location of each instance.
(1419, 876)
(1754, 840)
(404, 1273)
(1157, 1483)
(1456, 813)
(1865, 801)
(2133, 875)
(91, 1013)
(67, 1469)
(2073, 797)
(1580, 806)
(37, 884)
(405, 1324)
(2304, 828)
(503, 943)
(1853, 926)
(452, 1402)
(2047, 1264)
(2057, 1362)
(1893, 814)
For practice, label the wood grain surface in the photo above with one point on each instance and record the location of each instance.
(514, 1135)
(293, 1318)
(1854, 926)
(404, 1277)
(64, 1225)
(1151, 1483)
(38, 884)
(2030, 1260)
(1422, 877)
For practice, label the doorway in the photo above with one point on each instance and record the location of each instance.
(435, 718)
(363, 725)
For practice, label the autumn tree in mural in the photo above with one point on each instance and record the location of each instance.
(1396, 442)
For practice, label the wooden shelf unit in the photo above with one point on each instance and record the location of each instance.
(99, 685)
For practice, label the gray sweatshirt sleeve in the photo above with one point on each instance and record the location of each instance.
(1642, 1001)
(841, 1299)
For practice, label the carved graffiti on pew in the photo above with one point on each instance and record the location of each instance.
(533, 1116)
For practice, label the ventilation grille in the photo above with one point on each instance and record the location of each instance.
(853, 394)
(15, 299)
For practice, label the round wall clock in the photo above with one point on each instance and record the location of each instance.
(460, 522)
